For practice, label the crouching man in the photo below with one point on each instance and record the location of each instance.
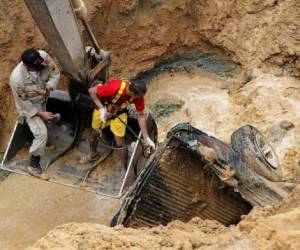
(112, 101)
(31, 82)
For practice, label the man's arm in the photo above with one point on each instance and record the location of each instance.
(54, 78)
(143, 124)
(24, 105)
(96, 100)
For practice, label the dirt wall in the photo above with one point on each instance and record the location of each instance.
(252, 32)
(17, 32)
(141, 33)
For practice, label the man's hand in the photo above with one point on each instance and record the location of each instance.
(150, 143)
(97, 82)
(45, 91)
(40, 91)
(46, 116)
(103, 113)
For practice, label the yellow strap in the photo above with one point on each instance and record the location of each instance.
(121, 89)
(117, 96)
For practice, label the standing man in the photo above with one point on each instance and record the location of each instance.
(31, 82)
(112, 101)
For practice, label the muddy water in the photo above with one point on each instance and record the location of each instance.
(220, 105)
(204, 102)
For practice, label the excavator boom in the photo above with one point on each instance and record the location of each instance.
(57, 21)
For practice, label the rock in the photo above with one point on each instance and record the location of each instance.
(164, 108)
(286, 125)
(275, 134)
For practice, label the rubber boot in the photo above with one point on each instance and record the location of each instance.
(35, 169)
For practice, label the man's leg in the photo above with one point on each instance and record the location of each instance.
(93, 141)
(37, 149)
(123, 154)
(39, 131)
(93, 138)
(119, 129)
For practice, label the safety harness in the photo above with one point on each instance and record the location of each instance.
(123, 106)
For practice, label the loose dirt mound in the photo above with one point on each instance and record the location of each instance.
(273, 227)
(277, 226)
(197, 234)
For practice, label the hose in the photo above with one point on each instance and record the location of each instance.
(146, 151)
(102, 142)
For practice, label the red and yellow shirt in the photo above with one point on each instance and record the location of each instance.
(108, 91)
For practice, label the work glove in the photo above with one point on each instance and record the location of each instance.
(150, 143)
(103, 113)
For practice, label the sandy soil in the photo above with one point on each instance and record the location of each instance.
(196, 234)
(30, 207)
(274, 227)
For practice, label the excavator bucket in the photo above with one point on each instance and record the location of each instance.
(68, 141)
(57, 22)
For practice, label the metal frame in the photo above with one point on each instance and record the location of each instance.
(123, 183)
(118, 196)
(9, 143)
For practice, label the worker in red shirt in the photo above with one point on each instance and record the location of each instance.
(114, 98)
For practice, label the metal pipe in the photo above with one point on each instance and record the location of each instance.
(130, 165)
(81, 12)
(80, 9)
(91, 35)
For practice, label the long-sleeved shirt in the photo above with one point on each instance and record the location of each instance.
(23, 84)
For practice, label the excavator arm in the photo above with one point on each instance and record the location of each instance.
(58, 20)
